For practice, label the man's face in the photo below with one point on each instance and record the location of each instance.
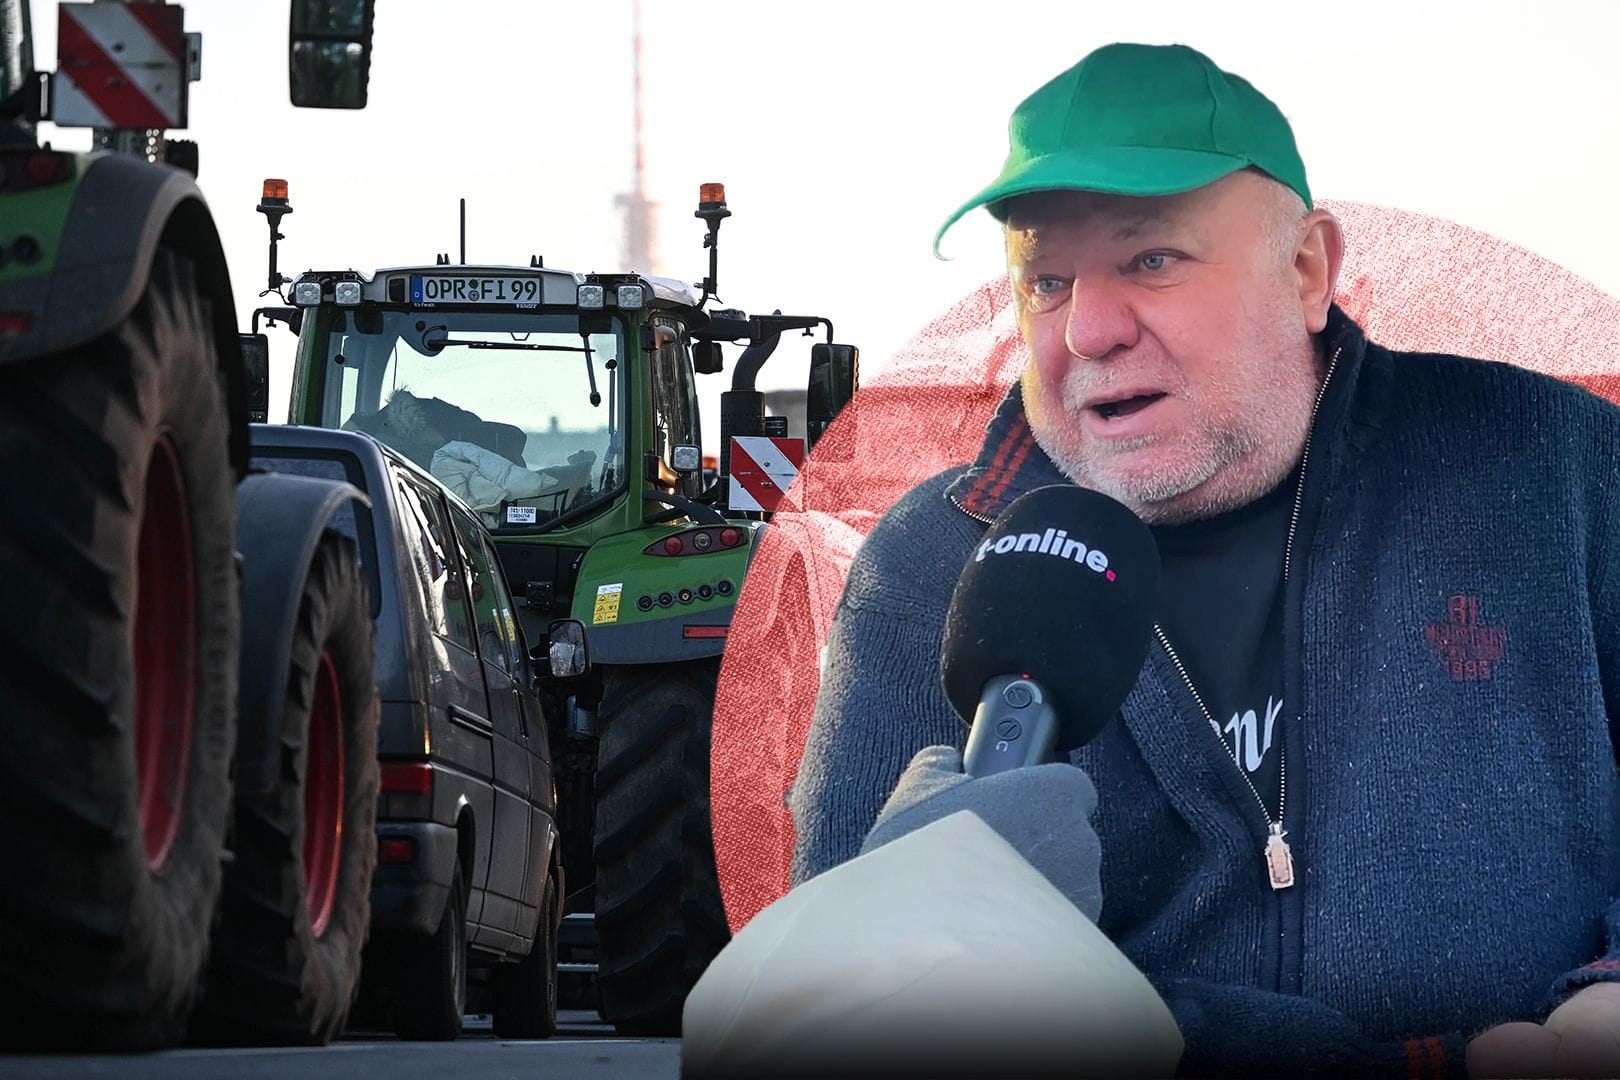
(1171, 362)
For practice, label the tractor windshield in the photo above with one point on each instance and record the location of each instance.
(519, 414)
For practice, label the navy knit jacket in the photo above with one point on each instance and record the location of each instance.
(1452, 664)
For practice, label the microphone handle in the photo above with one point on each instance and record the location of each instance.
(1016, 724)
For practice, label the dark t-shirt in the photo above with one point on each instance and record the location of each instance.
(1220, 605)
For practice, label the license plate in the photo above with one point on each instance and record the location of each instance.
(474, 289)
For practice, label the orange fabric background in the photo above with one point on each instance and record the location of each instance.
(1414, 282)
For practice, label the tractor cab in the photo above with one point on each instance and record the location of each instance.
(497, 380)
(562, 408)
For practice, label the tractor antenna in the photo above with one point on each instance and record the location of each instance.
(640, 214)
(463, 232)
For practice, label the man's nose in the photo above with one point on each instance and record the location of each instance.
(1100, 320)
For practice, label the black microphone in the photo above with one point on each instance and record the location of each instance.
(1048, 627)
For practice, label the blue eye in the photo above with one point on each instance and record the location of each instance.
(1154, 261)
(1045, 292)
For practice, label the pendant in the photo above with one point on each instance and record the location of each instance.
(1279, 859)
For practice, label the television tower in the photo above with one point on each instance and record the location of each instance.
(640, 219)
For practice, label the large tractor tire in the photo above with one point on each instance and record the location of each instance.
(659, 917)
(118, 654)
(297, 901)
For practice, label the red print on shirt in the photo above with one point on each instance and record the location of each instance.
(1466, 646)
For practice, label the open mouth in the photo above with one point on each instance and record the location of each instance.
(1114, 410)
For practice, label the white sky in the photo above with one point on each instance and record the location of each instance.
(846, 130)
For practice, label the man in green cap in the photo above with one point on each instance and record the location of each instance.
(1361, 812)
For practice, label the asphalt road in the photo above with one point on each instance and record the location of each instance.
(584, 1047)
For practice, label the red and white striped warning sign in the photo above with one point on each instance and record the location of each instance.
(120, 65)
(762, 467)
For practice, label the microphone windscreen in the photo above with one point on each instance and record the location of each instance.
(1062, 589)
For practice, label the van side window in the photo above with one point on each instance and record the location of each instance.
(511, 629)
(488, 596)
(434, 558)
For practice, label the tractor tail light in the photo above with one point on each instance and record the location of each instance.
(699, 541)
(48, 167)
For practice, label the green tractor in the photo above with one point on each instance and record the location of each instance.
(562, 408)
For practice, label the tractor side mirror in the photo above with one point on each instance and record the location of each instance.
(329, 53)
(834, 378)
(570, 656)
(706, 358)
(256, 369)
(290, 317)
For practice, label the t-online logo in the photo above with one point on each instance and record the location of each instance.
(1055, 542)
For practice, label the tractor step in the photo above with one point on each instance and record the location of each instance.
(577, 962)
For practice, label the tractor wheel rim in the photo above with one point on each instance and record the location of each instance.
(323, 796)
(165, 653)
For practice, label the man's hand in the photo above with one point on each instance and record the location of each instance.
(1580, 1038)
(1043, 811)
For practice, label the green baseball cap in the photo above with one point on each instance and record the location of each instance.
(1140, 120)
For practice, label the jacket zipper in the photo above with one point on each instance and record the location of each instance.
(975, 515)
(1277, 854)
(1279, 858)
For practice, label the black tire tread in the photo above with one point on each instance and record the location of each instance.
(272, 980)
(659, 916)
(526, 992)
(423, 999)
(97, 952)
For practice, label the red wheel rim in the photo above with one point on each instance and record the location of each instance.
(165, 652)
(323, 796)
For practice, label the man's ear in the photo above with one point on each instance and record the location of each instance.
(1317, 264)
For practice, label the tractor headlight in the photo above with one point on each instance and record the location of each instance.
(687, 459)
(346, 293)
(307, 293)
(590, 297)
(631, 297)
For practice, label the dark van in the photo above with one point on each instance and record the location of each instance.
(469, 872)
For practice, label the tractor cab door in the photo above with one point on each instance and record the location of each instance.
(675, 404)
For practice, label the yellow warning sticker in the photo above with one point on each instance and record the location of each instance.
(607, 603)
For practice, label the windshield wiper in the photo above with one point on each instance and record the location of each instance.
(520, 346)
(590, 371)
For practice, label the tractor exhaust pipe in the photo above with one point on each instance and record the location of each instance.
(742, 408)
